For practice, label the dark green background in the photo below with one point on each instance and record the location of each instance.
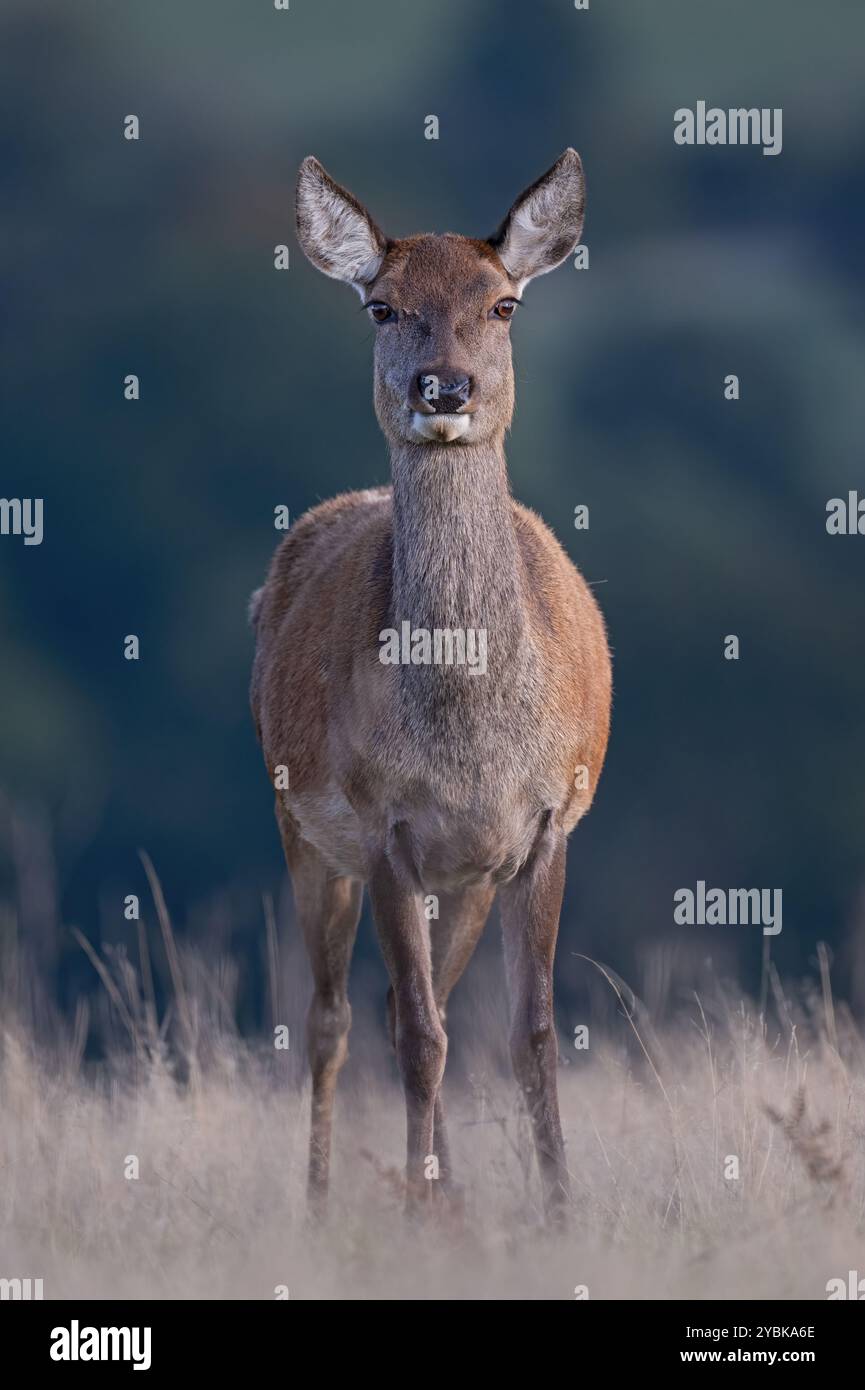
(707, 517)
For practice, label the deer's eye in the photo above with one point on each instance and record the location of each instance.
(380, 312)
(505, 309)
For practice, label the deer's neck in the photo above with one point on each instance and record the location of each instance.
(456, 561)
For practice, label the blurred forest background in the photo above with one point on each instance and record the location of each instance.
(707, 517)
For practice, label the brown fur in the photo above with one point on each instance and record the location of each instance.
(425, 779)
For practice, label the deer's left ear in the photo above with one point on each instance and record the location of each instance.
(545, 223)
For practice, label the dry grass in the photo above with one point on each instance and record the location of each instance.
(218, 1209)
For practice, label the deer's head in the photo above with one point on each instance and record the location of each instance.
(442, 305)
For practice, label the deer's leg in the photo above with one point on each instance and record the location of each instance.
(530, 907)
(453, 938)
(419, 1037)
(328, 910)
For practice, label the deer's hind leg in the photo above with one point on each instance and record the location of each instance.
(454, 934)
(328, 910)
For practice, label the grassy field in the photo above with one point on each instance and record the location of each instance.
(652, 1120)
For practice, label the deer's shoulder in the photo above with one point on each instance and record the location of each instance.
(564, 613)
(314, 543)
(545, 559)
(322, 525)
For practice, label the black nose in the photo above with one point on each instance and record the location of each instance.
(445, 393)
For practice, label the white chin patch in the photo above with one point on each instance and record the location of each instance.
(441, 429)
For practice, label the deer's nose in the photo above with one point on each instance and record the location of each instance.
(445, 391)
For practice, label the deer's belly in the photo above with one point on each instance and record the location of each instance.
(448, 853)
(439, 848)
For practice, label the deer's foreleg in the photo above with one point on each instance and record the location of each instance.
(453, 935)
(328, 909)
(453, 938)
(419, 1037)
(530, 907)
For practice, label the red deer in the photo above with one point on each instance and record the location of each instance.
(409, 763)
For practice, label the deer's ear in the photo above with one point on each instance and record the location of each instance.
(545, 223)
(335, 231)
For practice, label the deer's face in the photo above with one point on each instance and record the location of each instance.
(442, 306)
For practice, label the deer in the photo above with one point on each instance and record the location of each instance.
(432, 780)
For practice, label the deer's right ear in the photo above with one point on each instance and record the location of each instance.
(335, 231)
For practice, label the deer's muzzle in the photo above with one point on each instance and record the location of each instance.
(445, 392)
